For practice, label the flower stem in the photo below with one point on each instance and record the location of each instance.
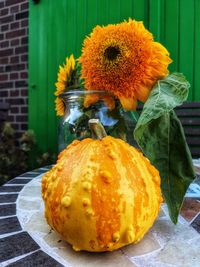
(97, 129)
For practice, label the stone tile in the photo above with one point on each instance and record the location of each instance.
(7, 210)
(9, 225)
(180, 254)
(19, 181)
(161, 214)
(37, 223)
(11, 188)
(86, 259)
(196, 223)
(165, 230)
(16, 245)
(28, 204)
(54, 240)
(28, 174)
(190, 208)
(8, 198)
(32, 191)
(38, 258)
(146, 245)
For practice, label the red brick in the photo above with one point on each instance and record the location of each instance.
(24, 40)
(14, 25)
(17, 101)
(17, 33)
(24, 92)
(6, 19)
(21, 83)
(24, 58)
(14, 93)
(4, 60)
(14, 9)
(5, 85)
(21, 118)
(6, 52)
(14, 76)
(16, 67)
(24, 110)
(21, 49)
(1, 4)
(14, 109)
(24, 23)
(24, 6)
(14, 59)
(14, 42)
(3, 77)
(4, 12)
(4, 44)
(21, 15)
(5, 27)
(23, 75)
(24, 126)
(3, 93)
(13, 2)
(1, 36)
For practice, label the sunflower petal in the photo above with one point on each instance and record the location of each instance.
(142, 93)
(128, 103)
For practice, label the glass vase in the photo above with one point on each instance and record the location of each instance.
(82, 105)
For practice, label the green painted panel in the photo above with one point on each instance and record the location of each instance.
(186, 48)
(57, 29)
(196, 71)
(171, 31)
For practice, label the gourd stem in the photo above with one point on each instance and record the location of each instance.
(97, 129)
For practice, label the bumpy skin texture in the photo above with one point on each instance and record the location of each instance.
(101, 194)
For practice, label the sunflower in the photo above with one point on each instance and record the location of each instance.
(60, 106)
(125, 60)
(66, 79)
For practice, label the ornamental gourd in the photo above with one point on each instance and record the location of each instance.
(102, 194)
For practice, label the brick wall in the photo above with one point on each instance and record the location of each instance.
(14, 60)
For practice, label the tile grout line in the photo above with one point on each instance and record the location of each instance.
(13, 260)
(11, 233)
(194, 218)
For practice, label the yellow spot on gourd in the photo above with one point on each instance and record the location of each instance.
(89, 212)
(60, 167)
(87, 186)
(116, 237)
(106, 176)
(111, 154)
(66, 201)
(130, 236)
(54, 177)
(75, 248)
(86, 202)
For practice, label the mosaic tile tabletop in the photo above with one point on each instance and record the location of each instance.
(27, 240)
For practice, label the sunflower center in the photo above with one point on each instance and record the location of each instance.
(111, 53)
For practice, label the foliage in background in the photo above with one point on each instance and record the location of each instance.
(19, 157)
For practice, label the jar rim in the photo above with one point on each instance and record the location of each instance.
(84, 92)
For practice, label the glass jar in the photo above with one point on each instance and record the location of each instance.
(74, 124)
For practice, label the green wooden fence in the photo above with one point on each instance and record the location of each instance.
(57, 29)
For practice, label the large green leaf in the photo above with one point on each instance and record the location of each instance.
(160, 135)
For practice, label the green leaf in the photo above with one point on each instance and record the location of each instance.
(160, 135)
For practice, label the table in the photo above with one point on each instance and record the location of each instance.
(27, 240)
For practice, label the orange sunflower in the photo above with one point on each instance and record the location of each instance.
(64, 81)
(125, 60)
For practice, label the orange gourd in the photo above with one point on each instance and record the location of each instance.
(101, 194)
